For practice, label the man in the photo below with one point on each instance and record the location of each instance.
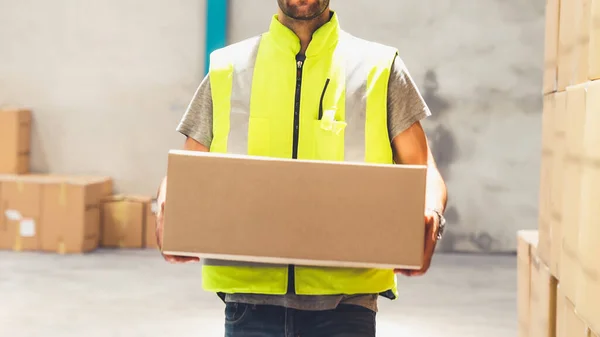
(305, 89)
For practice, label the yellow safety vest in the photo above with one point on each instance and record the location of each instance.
(330, 105)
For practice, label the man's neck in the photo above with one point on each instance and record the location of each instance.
(304, 29)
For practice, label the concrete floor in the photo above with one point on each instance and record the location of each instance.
(135, 293)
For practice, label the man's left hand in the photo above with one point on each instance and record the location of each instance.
(431, 229)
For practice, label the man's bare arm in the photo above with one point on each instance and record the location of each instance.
(411, 148)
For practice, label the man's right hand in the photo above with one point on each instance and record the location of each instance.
(160, 223)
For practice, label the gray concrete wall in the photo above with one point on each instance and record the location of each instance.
(109, 80)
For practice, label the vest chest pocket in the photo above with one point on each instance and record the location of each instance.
(328, 139)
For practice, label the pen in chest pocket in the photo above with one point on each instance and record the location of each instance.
(322, 97)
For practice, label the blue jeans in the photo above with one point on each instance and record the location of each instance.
(246, 320)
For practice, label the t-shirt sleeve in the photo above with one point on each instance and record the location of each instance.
(198, 118)
(405, 103)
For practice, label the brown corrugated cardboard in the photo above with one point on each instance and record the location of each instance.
(549, 248)
(65, 212)
(566, 43)
(123, 219)
(150, 226)
(526, 239)
(589, 238)
(569, 324)
(551, 46)
(71, 217)
(581, 46)
(15, 134)
(21, 204)
(570, 266)
(543, 299)
(547, 161)
(594, 54)
(294, 211)
(561, 314)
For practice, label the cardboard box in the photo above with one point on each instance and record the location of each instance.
(526, 239)
(51, 212)
(551, 46)
(543, 299)
(300, 212)
(549, 250)
(569, 324)
(581, 48)
(15, 139)
(566, 42)
(547, 160)
(594, 49)
(589, 237)
(21, 213)
(150, 226)
(123, 221)
(71, 215)
(569, 265)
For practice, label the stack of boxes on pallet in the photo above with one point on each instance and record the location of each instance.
(57, 213)
(559, 269)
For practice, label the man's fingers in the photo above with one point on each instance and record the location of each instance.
(181, 259)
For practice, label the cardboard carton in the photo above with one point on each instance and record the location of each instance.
(543, 299)
(581, 45)
(570, 272)
(123, 221)
(551, 46)
(51, 212)
(71, 216)
(569, 324)
(526, 239)
(594, 48)
(15, 135)
(150, 226)
(588, 303)
(294, 211)
(549, 246)
(566, 42)
(544, 213)
(21, 206)
(551, 178)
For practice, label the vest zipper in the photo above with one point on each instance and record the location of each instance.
(299, 65)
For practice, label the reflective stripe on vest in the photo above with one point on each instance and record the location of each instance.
(253, 88)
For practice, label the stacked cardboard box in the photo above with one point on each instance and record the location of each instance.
(544, 310)
(564, 271)
(128, 222)
(51, 213)
(15, 139)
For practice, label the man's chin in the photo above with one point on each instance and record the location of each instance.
(303, 16)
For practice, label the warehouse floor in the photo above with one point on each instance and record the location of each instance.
(135, 293)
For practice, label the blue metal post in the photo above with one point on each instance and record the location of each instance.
(216, 28)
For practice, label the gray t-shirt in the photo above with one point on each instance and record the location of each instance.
(405, 107)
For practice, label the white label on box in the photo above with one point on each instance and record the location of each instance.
(13, 215)
(27, 228)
